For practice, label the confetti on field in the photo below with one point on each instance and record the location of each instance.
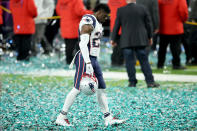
(33, 103)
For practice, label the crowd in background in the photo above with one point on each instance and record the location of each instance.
(29, 24)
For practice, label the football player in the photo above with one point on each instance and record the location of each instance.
(90, 29)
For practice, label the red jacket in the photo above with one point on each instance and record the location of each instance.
(23, 13)
(1, 18)
(114, 5)
(71, 12)
(173, 13)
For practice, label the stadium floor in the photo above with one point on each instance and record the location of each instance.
(32, 101)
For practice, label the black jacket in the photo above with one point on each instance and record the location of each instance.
(136, 26)
(153, 8)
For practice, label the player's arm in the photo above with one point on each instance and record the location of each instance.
(84, 40)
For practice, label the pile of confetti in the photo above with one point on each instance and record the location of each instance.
(33, 103)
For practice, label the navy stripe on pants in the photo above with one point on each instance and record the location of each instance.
(81, 68)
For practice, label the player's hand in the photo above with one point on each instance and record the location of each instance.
(113, 43)
(89, 69)
(150, 41)
(156, 31)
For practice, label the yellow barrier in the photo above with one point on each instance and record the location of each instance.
(5, 9)
(53, 17)
(191, 23)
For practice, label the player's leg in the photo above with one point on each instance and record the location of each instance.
(62, 117)
(101, 96)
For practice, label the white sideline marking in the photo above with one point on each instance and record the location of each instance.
(157, 77)
(114, 75)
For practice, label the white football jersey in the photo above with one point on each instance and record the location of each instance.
(95, 36)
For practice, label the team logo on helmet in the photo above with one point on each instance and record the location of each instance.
(88, 84)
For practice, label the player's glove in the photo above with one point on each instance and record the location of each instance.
(89, 69)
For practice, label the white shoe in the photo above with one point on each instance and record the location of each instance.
(109, 120)
(62, 120)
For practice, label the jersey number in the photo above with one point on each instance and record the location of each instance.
(96, 40)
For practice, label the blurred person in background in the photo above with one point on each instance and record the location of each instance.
(117, 58)
(185, 40)
(1, 21)
(90, 4)
(173, 13)
(45, 8)
(7, 27)
(188, 1)
(136, 36)
(193, 32)
(153, 8)
(71, 12)
(1, 35)
(1, 17)
(23, 12)
(52, 29)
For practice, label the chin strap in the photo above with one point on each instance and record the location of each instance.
(72, 63)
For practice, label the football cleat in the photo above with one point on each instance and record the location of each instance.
(109, 120)
(62, 120)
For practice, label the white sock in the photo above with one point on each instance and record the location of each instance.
(102, 100)
(70, 99)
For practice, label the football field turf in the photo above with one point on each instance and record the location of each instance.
(33, 103)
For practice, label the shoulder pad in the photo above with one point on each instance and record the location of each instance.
(88, 19)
